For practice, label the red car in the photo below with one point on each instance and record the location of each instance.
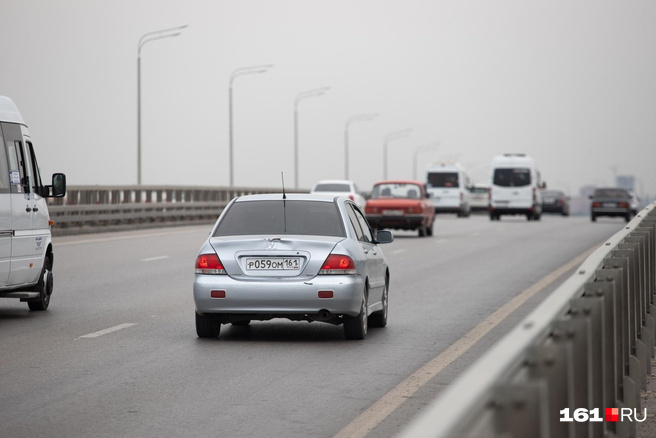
(401, 205)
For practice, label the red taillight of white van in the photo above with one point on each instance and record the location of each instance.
(209, 264)
(338, 264)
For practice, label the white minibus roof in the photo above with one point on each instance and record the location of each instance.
(9, 111)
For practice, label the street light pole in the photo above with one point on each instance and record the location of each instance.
(147, 37)
(349, 121)
(389, 137)
(422, 148)
(303, 95)
(253, 69)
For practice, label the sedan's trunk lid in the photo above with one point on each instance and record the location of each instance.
(287, 256)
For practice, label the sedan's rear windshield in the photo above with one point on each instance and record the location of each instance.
(443, 179)
(611, 193)
(332, 187)
(514, 177)
(310, 218)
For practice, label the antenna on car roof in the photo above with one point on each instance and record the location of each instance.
(284, 202)
(282, 175)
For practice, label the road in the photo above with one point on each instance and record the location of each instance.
(116, 355)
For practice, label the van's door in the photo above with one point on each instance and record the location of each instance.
(511, 188)
(5, 216)
(40, 215)
(24, 268)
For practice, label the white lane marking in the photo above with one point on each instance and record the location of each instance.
(397, 251)
(382, 408)
(109, 330)
(135, 236)
(152, 259)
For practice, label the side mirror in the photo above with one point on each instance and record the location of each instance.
(384, 236)
(58, 187)
(427, 195)
(543, 185)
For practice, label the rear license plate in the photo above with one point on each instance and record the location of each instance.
(610, 204)
(393, 212)
(276, 264)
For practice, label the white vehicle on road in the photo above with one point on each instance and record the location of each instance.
(447, 184)
(515, 187)
(26, 255)
(340, 187)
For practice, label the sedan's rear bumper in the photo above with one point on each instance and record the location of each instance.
(610, 211)
(406, 222)
(279, 298)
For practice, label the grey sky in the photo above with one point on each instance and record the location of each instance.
(572, 83)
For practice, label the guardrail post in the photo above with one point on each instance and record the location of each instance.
(548, 363)
(516, 411)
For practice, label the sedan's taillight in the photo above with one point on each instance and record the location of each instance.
(209, 264)
(372, 210)
(338, 264)
(623, 205)
(596, 204)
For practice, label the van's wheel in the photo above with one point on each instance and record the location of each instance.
(429, 230)
(422, 230)
(44, 287)
(207, 326)
(355, 327)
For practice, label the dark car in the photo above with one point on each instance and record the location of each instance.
(555, 201)
(611, 202)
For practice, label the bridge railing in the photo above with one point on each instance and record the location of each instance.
(587, 348)
(87, 209)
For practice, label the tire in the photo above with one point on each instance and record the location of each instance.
(593, 218)
(429, 230)
(422, 231)
(207, 326)
(379, 319)
(44, 287)
(627, 218)
(529, 217)
(355, 327)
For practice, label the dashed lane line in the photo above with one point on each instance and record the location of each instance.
(108, 330)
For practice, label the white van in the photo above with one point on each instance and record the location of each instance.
(26, 256)
(447, 185)
(515, 187)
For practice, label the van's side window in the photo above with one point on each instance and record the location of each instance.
(17, 174)
(4, 169)
(36, 175)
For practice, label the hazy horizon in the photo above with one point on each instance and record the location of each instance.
(569, 83)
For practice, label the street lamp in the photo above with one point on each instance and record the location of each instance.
(253, 69)
(422, 148)
(303, 95)
(349, 121)
(389, 137)
(147, 37)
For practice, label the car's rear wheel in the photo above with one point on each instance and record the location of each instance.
(429, 230)
(44, 287)
(207, 326)
(355, 327)
(627, 218)
(379, 319)
(593, 218)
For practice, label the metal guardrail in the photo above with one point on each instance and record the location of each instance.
(87, 209)
(588, 346)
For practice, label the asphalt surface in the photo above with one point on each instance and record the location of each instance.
(116, 354)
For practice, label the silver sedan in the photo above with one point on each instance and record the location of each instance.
(297, 256)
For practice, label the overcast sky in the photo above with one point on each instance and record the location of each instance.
(570, 82)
